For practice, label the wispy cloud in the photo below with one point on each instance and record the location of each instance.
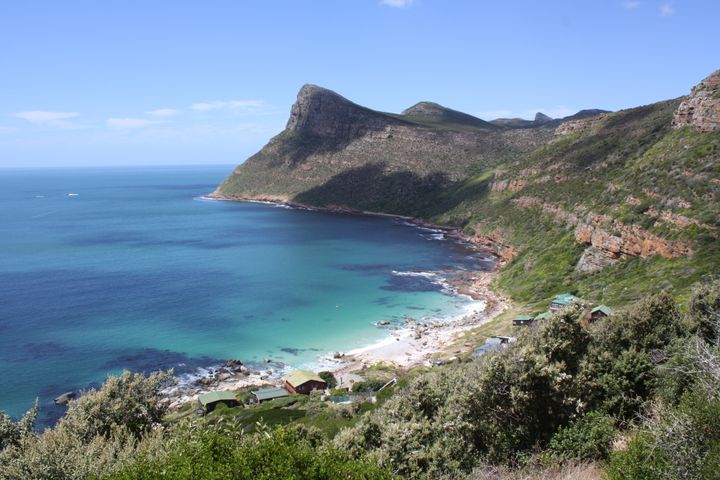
(249, 105)
(163, 112)
(667, 10)
(631, 5)
(54, 119)
(123, 123)
(397, 3)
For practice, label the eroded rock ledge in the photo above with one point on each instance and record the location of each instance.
(608, 237)
(701, 110)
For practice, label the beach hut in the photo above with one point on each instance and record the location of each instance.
(209, 401)
(601, 311)
(267, 394)
(522, 320)
(303, 381)
(561, 301)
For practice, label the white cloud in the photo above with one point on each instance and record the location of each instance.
(667, 10)
(229, 104)
(163, 112)
(631, 5)
(397, 3)
(130, 122)
(46, 118)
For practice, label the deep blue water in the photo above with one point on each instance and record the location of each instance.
(136, 272)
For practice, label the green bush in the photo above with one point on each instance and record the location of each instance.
(329, 378)
(210, 454)
(638, 461)
(588, 438)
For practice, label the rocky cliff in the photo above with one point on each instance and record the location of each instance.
(701, 110)
(614, 202)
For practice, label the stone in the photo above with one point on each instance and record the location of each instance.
(701, 109)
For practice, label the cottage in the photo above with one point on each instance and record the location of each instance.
(267, 394)
(209, 401)
(522, 320)
(561, 301)
(302, 381)
(601, 311)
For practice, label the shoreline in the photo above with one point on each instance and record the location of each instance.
(412, 344)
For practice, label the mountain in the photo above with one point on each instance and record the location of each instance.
(609, 205)
(429, 112)
(542, 120)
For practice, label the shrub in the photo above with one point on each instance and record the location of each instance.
(269, 455)
(12, 432)
(704, 311)
(329, 378)
(588, 438)
(638, 461)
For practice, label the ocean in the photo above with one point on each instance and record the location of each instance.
(108, 269)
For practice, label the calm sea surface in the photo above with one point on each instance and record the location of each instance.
(136, 272)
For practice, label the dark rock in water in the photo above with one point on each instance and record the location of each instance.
(235, 365)
(64, 398)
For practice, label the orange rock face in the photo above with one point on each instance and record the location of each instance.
(610, 237)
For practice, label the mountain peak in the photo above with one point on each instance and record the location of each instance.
(542, 118)
(434, 112)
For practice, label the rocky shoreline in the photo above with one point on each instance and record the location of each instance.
(414, 343)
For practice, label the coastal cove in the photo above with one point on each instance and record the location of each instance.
(136, 271)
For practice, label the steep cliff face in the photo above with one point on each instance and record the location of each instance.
(323, 112)
(701, 110)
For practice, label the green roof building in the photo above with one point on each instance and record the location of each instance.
(561, 301)
(600, 311)
(208, 401)
(267, 394)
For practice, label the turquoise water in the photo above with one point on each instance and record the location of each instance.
(137, 272)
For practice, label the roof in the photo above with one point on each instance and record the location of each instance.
(542, 316)
(213, 397)
(602, 308)
(298, 377)
(564, 298)
(523, 317)
(269, 393)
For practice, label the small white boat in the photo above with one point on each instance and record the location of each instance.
(71, 194)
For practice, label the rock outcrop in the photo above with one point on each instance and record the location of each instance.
(580, 125)
(613, 238)
(701, 110)
(542, 118)
(323, 112)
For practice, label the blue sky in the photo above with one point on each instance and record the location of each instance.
(181, 82)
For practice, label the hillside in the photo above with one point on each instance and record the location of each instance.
(609, 205)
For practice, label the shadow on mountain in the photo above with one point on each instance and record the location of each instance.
(372, 187)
